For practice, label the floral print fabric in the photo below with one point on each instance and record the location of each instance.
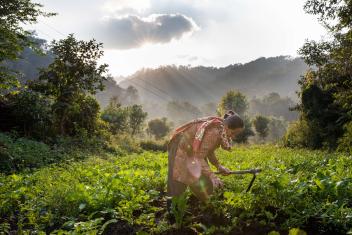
(197, 140)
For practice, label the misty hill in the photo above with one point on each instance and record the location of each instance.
(30, 61)
(200, 85)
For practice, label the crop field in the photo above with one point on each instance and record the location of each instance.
(298, 191)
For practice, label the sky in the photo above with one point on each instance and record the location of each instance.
(149, 33)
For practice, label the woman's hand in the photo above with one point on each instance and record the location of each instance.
(223, 170)
(217, 183)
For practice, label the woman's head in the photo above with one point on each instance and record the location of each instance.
(233, 123)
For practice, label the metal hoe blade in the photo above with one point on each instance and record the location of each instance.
(251, 171)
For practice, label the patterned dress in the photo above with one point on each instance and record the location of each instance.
(190, 148)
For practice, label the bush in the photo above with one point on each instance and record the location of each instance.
(27, 112)
(116, 117)
(150, 145)
(20, 154)
(159, 128)
(345, 142)
(261, 126)
(277, 129)
(301, 134)
(246, 133)
(126, 143)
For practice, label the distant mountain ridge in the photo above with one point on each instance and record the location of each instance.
(200, 85)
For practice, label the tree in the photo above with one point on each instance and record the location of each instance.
(277, 128)
(236, 101)
(273, 105)
(74, 73)
(326, 89)
(233, 100)
(116, 116)
(261, 126)
(83, 115)
(13, 38)
(131, 96)
(136, 118)
(28, 113)
(158, 127)
(246, 133)
(345, 143)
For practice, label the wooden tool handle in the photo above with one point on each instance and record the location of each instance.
(241, 172)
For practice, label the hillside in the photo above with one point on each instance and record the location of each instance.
(200, 85)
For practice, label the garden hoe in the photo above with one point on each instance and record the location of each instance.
(250, 171)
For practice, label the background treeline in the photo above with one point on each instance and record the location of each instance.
(325, 94)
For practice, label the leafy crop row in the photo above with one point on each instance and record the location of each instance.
(310, 190)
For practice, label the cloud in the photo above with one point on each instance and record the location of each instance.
(123, 5)
(133, 31)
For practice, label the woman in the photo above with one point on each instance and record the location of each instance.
(192, 146)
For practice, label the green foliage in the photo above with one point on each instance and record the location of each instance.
(124, 119)
(178, 208)
(18, 154)
(301, 134)
(126, 143)
(296, 231)
(246, 133)
(261, 125)
(326, 89)
(273, 105)
(14, 14)
(83, 196)
(151, 145)
(72, 75)
(236, 101)
(29, 113)
(136, 118)
(310, 190)
(233, 100)
(159, 128)
(345, 142)
(116, 116)
(277, 129)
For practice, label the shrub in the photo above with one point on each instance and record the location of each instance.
(301, 134)
(27, 112)
(159, 127)
(261, 125)
(345, 142)
(126, 143)
(116, 117)
(19, 154)
(150, 145)
(246, 133)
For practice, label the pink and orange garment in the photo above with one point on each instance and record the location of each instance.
(206, 122)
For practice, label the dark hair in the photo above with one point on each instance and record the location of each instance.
(232, 120)
(229, 113)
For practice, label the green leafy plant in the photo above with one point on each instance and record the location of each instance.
(178, 208)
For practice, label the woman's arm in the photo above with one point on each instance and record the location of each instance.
(213, 160)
